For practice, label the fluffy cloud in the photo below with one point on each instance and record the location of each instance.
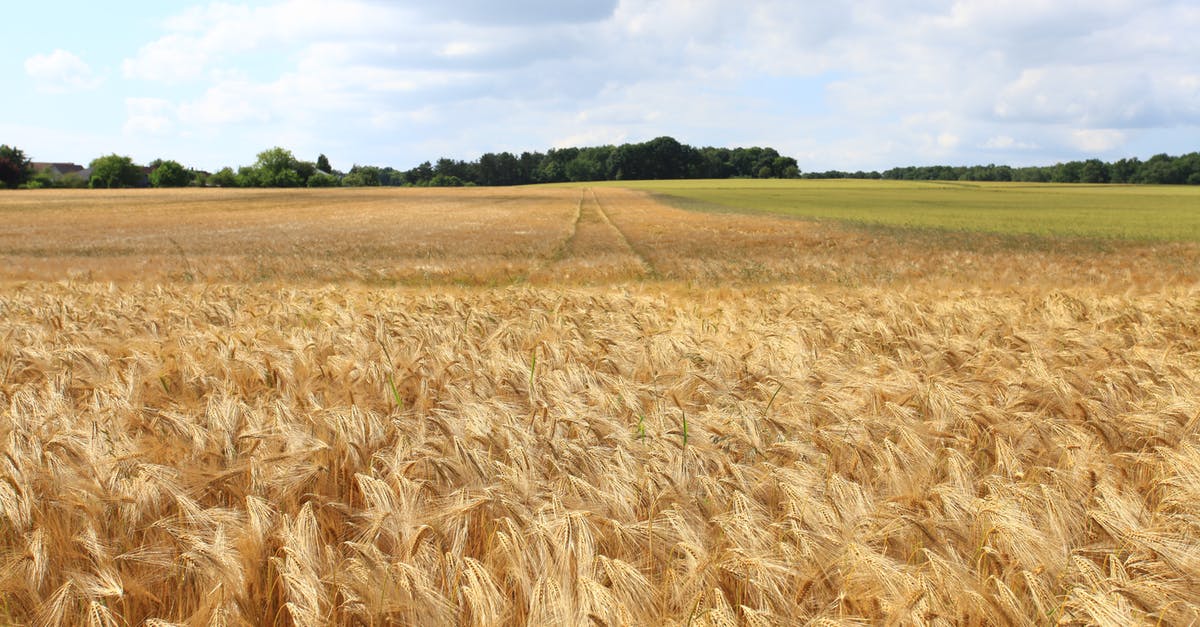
(895, 83)
(1005, 142)
(521, 12)
(61, 72)
(1097, 140)
(151, 116)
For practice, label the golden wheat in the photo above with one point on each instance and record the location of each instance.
(236, 455)
(1020, 450)
(501, 236)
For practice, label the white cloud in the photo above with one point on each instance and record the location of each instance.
(176, 57)
(923, 80)
(61, 72)
(948, 141)
(230, 102)
(205, 37)
(1005, 142)
(1097, 140)
(149, 116)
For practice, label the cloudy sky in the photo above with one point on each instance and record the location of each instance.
(838, 84)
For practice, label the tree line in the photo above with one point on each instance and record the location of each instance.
(660, 158)
(1161, 169)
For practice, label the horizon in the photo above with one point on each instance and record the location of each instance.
(839, 86)
(431, 161)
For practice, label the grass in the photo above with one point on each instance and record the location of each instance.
(1159, 213)
(329, 413)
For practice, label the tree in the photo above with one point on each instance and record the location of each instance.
(666, 158)
(323, 164)
(362, 176)
(1124, 170)
(391, 176)
(41, 179)
(785, 168)
(15, 167)
(454, 168)
(248, 177)
(322, 179)
(224, 178)
(114, 171)
(305, 169)
(1189, 168)
(1066, 172)
(588, 165)
(1093, 171)
(445, 180)
(490, 170)
(277, 167)
(421, 174)
(1159, 170)
(170, 174)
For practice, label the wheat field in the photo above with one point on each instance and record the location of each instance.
(583, 407)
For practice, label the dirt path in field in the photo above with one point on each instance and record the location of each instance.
(595, 249)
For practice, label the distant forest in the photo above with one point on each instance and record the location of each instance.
(666, 158)
(660, 158)
(1160, 169)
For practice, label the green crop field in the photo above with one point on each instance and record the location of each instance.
(1164, 213)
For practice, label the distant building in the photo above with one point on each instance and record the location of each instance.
(58, 169)
(74, 174)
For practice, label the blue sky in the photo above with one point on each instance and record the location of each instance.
(849, 85)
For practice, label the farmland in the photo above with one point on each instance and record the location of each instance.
(558, 405)
(1127, 212)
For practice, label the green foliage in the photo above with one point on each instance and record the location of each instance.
(223, 178)
(422, 173)
(305, 169)
(321, 179)
(114, 171)
(73, 180)
(46, 179)
(277, 167)
(1160, 169)
(247, 177)
(43, 179)
(170, 174)
(657, 159)
(323, 165)
(363, 176)
(1093, 171)
(499, 169)
(451, 169)
(15, 167)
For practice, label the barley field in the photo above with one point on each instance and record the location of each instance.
(1127, 212)
(584, 407)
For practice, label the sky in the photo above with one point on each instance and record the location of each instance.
(849, 85)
